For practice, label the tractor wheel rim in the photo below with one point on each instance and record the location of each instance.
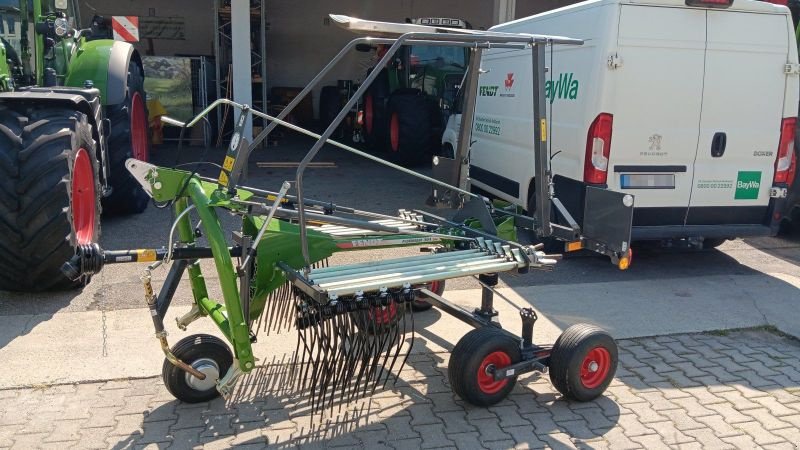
(394, 132)
(433, 286)
(384, 315)
(493, 361)
(595, 367)
(368, 112)
(83, 198)
(138, 128)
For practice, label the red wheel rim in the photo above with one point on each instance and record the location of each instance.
(394, 132)
(384, 315)
(595, 367)
(486, 381)
(138, 128)
(83, 198)
(368, 113)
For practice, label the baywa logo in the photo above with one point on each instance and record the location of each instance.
(747, 185)
(566, 87)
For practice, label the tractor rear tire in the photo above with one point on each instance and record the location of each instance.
(129, 139)
(375, 116)
(409, 128)
(329, 104)
(49, 194)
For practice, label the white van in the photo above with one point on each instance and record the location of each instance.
(689, 105)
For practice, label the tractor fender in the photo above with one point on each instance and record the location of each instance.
(86, 101)
(105, 63)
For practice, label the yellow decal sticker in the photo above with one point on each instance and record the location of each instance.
(223, 179)
(228, 163)
(543, 129)
(145, 255)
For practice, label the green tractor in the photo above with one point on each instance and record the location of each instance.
(406, 109)
(72, 110)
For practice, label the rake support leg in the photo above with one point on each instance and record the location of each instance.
(488, 281)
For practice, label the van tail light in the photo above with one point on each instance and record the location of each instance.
(598, 149)
(786, 163)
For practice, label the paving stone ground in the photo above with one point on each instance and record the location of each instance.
(732, 390)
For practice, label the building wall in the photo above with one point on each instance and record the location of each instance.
(527, 8)
(299, 45)
(299, 39)
(198, 17)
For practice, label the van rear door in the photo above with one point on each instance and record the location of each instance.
(743, 99)
(659, 90)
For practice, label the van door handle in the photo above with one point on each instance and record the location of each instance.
(718, 144)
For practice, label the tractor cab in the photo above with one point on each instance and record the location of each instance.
(406, 109)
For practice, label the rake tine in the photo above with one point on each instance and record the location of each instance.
(340, 365)
(393, 331)
(325, 373)
(364, 353)
(375, 353)
(399, 345)
(410, 347)
(354, 353)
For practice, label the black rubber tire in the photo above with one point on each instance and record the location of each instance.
(713, 243)
(127, 195)
(189, 350)
(467, 357)
(38, 147)
(412, 112)
(329, 104)
(365, 319)
(378, 95)
(447, 151)
(568, 354)
(419, 304)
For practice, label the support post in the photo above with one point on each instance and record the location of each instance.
(240, 46)
(541, 160)
(489, 281)
(504, 11)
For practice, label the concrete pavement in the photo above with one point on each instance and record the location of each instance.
(80, 346)
(694, 391)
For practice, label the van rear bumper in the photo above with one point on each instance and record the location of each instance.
(696, 231)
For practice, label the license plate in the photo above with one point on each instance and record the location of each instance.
(647, 181)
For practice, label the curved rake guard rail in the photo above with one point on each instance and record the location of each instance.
(474, 39)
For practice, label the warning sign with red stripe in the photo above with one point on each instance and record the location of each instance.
(126, 28)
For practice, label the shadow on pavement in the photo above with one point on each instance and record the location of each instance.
(21, 312)
(267, 409)
(785, 246)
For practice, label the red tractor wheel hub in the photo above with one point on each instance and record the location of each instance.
(139, 128)
(84, 202)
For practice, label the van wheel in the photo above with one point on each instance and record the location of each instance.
(713, 243)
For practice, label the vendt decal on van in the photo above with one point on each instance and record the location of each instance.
(565, 88)
(747, 185)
